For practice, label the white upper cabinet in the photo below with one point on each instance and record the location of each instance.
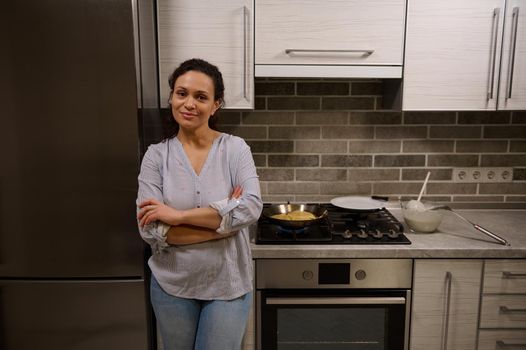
(512, 90)
(331, 38)
(220, 32)
(458, 55)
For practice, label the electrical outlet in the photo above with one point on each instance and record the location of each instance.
(482, 175)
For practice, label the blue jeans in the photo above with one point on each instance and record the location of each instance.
(188, 324)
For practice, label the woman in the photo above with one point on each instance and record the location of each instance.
(198, 193)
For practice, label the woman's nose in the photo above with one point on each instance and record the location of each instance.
(189, 103)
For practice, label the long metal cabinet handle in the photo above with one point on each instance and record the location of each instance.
(496, 15)
(448, 303)
(507, 310)
(507, 274)
(288, 51)
(245, 55)
(502, 344)
(336, 301)
(514, 24)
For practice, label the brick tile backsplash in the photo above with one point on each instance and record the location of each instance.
(315, 139)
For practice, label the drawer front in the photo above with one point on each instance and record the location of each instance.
(508, 339)
(505, 276)
(503, 311)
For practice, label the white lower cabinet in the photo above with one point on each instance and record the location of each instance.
(446, 294)
(503, 305)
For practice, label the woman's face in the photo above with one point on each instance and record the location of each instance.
(193, 100)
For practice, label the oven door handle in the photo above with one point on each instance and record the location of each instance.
(336, 301)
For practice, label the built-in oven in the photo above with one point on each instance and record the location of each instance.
(333, 304)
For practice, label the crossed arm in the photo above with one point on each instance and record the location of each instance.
(187, 226)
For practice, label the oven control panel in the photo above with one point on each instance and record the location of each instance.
(333, 273)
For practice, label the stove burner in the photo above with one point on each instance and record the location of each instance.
(342, 226)
(291, 230)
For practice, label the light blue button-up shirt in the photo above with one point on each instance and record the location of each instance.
(220, 269)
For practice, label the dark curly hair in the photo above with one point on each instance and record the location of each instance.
(171, 127)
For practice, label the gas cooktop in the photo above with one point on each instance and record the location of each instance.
(342, 226)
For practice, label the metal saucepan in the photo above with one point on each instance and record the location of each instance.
(317, 210)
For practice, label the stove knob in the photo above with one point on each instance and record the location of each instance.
(360, 275)
(307, 275)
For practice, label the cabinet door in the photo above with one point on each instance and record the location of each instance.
(445, 304)
(512, 91)
(452, 54)
(220, 32)
(332, 32)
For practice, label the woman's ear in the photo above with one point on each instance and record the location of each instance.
(217, 105)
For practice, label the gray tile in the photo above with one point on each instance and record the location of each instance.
(321, 146)
(246, 132)
(374, 174)
(293, 103)
(399, 160)
(516, 199)
(271, 146)
(485, 117)
(260, 103)
(366, 88)
(518, 117)
(258, 117)
(374, 146)
(401, 132)
(313, 198)
(263, 186)
(347, 103)
(321, 175)
(292, 160)
(420, 174)
(451, 188)
(455, 132)
(228, 117)
(481, 146)
(503, 160)
(492, 199)
(455, 160)
(505, 132)
(503, 188)
(277, 198)
(375, 118)
(390, 188)
(429, 117)
(267, 174)
(294, 132)
(346, 161)
(322, 118)
(428, 146)
(345, 188)
(323, 88)
(273, 88)
(519, 174)
(347, 132)
(260, 160)
(293, 187)
(517, 146)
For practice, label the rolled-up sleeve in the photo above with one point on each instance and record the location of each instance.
(150, 186)
(240, 213)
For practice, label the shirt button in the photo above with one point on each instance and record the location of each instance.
(198, 192)
(199, 206)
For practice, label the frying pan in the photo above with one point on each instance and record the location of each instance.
(318, 211)
(360, 203)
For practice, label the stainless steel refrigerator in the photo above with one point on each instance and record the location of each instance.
(72, 273)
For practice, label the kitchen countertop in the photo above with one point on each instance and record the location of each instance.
(453, 239)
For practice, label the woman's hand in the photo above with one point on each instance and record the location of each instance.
(236, 193)
(153, 210)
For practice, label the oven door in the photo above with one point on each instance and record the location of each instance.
(333, 319)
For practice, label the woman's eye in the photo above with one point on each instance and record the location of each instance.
(201, 97)
(180, 93)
